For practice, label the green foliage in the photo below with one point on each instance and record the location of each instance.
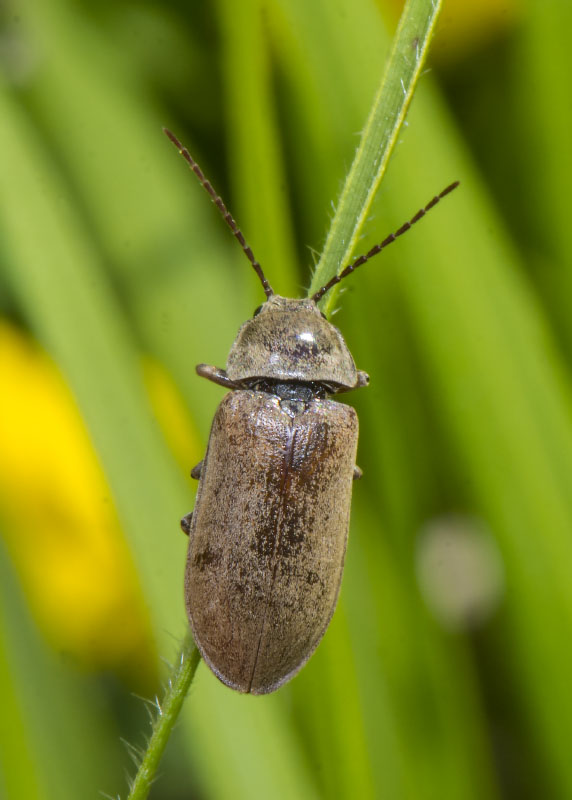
(109, 251)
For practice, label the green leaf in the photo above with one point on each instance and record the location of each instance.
(378, 139)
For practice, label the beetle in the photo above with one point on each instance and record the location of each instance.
(268, 534)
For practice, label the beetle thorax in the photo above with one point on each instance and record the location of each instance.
(290, 340)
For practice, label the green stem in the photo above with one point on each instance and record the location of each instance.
(380, 133)
(167, 713)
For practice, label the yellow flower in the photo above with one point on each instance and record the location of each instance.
(59, 522)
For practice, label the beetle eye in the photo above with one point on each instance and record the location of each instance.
(257, 311)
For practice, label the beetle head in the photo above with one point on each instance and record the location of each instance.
(290, 340)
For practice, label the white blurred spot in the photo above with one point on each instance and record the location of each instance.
(460, 571)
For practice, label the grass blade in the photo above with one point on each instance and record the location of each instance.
(378, 139)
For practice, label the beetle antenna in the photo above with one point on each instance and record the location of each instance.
(226, 215)
(387, 241)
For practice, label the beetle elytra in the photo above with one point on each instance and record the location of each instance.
(267, 537)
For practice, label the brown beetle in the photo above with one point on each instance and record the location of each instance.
(267, 538)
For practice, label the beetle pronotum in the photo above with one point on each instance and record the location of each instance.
(267, 537)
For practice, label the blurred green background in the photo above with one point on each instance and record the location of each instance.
(446, 672)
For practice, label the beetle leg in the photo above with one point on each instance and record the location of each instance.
(357, 473)
(186, 523)
(216, 375)
(196, 471)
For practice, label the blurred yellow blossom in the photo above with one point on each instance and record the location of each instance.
(58, 519)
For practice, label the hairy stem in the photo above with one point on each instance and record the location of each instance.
(166, 716)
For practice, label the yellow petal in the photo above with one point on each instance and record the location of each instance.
(59, 521)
